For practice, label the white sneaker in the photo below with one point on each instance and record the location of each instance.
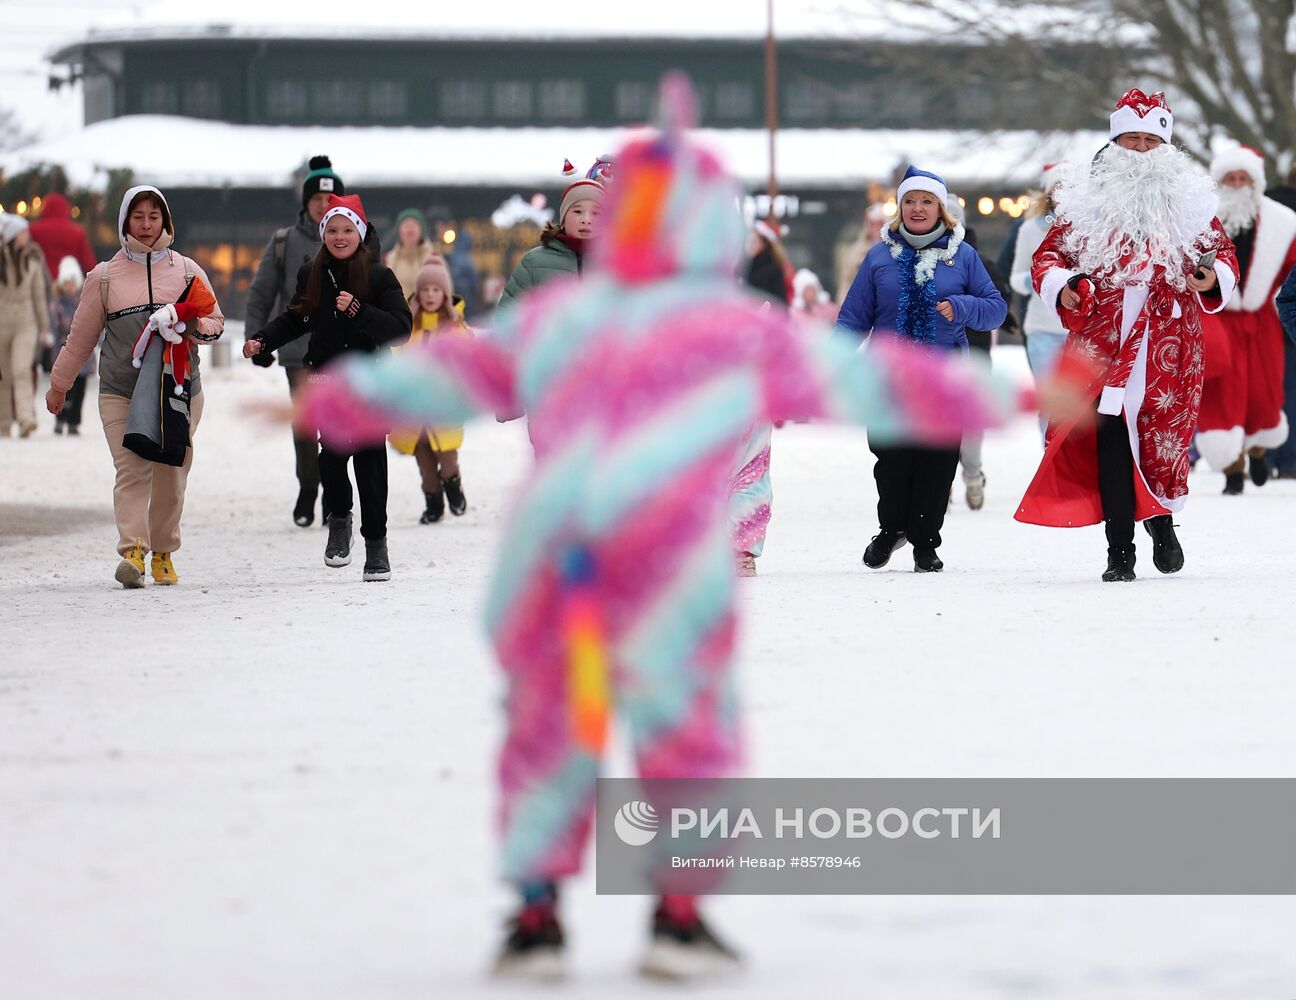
(975, 491)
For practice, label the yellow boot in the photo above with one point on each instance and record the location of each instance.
(163, 571)
(130, 571)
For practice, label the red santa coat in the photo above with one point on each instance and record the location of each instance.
(1141, 349)
(1242, 398)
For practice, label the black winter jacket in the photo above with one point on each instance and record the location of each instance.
(382, 320)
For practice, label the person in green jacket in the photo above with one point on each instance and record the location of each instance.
(562, 244)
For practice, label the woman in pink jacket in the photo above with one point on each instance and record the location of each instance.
(139, 285)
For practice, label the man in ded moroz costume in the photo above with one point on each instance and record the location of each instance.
(1133, 259)
(1242, 400)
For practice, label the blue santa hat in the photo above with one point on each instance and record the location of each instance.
(922, 180)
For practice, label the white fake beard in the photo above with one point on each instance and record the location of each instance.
(1238, 208)
(1156, 205)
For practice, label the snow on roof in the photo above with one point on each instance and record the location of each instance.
(672, 19)
(216, 154)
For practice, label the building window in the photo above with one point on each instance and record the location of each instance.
(159, 98)
(201, 99)
(634, 101)
(337, 100)
(974, 104)
(512, 99)
(735, 101)
(388, 99)
(286, 100)
(807, 101)
(562, 100)
(463, 99)
(856, 104)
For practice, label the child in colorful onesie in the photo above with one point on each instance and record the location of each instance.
(640, 383)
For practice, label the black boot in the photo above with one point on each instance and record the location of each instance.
(304, 511)
(1259, 469)
(377, 565)
(1167, 553)
(534, 947)
(1233, 484)
(435, 509)
(927, 561)
(454, 495)
(686, 949)
(338, 550)
(880, 549)
(1120, 565)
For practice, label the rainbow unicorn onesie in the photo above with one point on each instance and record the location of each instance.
(641, 382)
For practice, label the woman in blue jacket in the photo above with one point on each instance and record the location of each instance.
(923, 283)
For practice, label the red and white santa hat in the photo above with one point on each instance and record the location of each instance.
(1052, 174)
(1140, 112)
(349, 207)
(1239, 157)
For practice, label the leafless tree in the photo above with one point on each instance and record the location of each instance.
(1228, 66)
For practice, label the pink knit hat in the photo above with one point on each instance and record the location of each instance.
(435, 272)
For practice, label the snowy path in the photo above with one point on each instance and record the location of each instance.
(275, 782)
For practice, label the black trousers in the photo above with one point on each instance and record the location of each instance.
(306, 445)
(1116, 480)
(71, 414)
(913, 487)
(371, 483)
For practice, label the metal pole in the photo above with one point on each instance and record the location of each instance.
(771, 98)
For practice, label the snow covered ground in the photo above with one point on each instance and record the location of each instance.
(274, 781)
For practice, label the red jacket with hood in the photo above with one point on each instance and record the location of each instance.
(58, 236)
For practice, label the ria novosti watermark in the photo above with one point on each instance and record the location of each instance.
(947, 836)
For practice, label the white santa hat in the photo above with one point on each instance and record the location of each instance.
(803, 279)
(1052, 174)
(1140, 112)
(1239, 157)
(768, 232)
(70, 271)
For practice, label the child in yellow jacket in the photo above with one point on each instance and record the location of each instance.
(438, 312)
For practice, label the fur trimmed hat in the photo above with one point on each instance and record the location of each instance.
(349, 207)
(1052, 175)
(922, 180)
(1140, 112)
(1239, 157)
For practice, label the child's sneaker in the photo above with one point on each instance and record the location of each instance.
(435, 509)
(130, 571)
(975, 491)
(163, 569)
(534, 947)
(746, 564)
(454, 495)
(683, 947)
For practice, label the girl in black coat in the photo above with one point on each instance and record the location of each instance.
(348, 303)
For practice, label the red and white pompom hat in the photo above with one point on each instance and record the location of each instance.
(1239, 157)
(349, 207)
(1140, 112)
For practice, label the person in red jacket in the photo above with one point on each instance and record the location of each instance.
(58, 236)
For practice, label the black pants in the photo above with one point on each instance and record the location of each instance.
(913, 487)
(306, 445)
(71, 414)
(371, 482)
(1116, 480)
